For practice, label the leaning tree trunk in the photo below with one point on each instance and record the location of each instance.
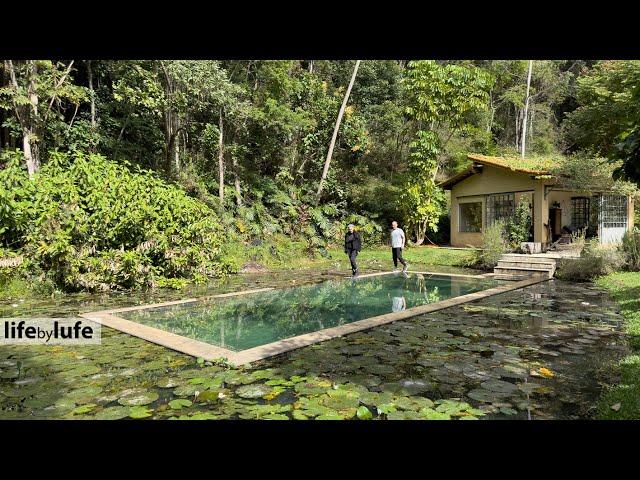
(523, 138)
(327, 162)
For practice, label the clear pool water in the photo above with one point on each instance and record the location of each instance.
(247, 321)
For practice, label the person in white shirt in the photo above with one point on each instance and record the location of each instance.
(397, 245)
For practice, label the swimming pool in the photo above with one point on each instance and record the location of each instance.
(245, 326)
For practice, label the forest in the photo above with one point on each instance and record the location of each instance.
(121, 174)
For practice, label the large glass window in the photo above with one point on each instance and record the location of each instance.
(500, 207)
(579, 212)
(613, 211)
(471, 217)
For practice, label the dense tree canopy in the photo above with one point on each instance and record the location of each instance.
(249, 138)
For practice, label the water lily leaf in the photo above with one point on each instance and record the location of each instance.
(386, 408)
(333, 416)
(208, 396)
(168, 382)
(314, 386)
(253, 391)
(140, 411)
(482, 395)
(363, 413)
(138, 398)
(299, 415)
(187, 390)
(275, 416)
(83, 409)
(545, 372)
(379, 369)
(112, 413)
(179, 403)
(431, 414)
(498, 386)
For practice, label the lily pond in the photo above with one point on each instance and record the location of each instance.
(542, 352)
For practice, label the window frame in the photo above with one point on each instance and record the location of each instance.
(506, 206)
(462, 225)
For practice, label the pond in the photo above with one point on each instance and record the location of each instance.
(541, 352)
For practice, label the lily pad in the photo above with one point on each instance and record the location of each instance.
(253, 391)
(179, 403)
(112, 413)
(140, 411)
(315, 386)
(499, 386)
(138, 398)
(363, 413)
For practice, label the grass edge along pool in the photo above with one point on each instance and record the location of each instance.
(211, 352)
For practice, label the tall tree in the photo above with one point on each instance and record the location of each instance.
(36, 90)
(523, 137)
(442, 99)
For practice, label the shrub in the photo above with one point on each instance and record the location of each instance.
(494, 245)
(595, 260)
(518, 227)
(88, 223)
(631, 249)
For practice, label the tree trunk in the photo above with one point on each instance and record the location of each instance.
(310, 66)
(523, 139)
(28, 116)
(327, 162)
(92, 94)
(236, 182)
(517, 115)
(221, 158)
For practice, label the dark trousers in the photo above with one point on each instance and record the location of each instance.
(397, 257)
(352, 258)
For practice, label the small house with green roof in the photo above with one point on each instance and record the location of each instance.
(491, 188)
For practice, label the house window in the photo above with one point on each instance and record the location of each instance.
(500, 207)
(471, 217)
(579, 212)
(613, 211)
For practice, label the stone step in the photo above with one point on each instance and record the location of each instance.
(523, 271)
(506, 276)
(515, 257)
(526, 265)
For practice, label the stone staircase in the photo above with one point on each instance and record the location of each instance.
(516, 266)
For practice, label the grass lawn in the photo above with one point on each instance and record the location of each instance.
(622, 402)
(295, 256)
(420, 255)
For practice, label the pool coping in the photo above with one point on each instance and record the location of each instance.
(211, 352)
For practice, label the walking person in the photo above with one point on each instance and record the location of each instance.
(398, 241)
(352, 245)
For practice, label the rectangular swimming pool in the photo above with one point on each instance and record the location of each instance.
(250, 325)
(239, 323)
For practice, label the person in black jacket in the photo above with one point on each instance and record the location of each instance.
(352, 245)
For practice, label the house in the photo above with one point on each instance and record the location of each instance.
(491, 188)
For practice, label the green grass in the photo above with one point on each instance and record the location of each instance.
(295, 255)
(13, 288)
(625, 289)
(420, 255)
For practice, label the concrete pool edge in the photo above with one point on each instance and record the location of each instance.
(213, 353)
